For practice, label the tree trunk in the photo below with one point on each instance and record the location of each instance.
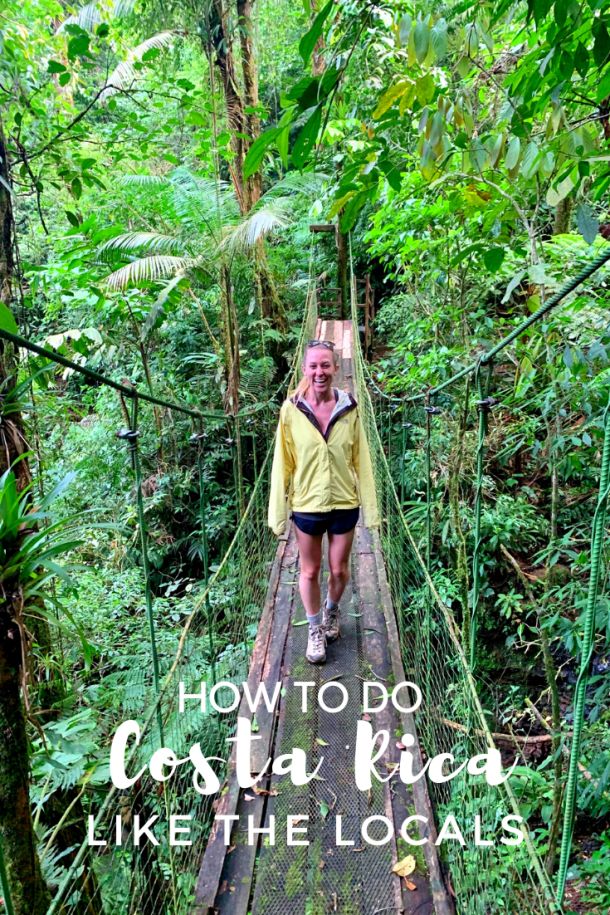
(318, 60)
(254, 184)
(563, 214)
(29, 894)
(230, 327)
(269, 302)
(244, 124)
(225, 61)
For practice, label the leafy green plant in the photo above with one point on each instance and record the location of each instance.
(33, 563)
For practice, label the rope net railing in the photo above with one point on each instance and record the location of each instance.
(118, 874)
(434, 450)
(485, 878)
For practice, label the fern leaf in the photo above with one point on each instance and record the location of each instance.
(158, 307)
(202, 205)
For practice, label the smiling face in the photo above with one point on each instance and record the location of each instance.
(319, 369)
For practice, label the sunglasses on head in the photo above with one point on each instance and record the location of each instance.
(325, 343)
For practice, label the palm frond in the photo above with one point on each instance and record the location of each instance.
(144, 180)
(307, 184)
(87, 18)
(202, 204)
(146, 269)
(125, 75)
(256, 225)
(152, 242)
(158, 308)
(123, 7)
(90, 15)
(257, 376)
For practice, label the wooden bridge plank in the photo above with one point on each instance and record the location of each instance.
(399, 798)
(237, 875)
(300, 799)
(338, 335)
(375, 653)
(214, 857)
(346, 344)
(443, 904)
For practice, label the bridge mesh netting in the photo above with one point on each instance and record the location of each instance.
(486, 879)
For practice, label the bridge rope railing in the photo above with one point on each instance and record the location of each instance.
(109, 872)
(389, 425)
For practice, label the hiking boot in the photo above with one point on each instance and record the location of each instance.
(316, 645)
(330, 621)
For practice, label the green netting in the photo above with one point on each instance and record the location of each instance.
(215, 645)
(485, 879)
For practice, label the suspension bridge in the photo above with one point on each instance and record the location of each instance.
(246, 627)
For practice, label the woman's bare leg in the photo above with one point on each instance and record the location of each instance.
(339, 548)
(310, 562)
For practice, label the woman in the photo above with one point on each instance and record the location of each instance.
(322, 471)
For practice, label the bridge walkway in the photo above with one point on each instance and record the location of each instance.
(252, 875)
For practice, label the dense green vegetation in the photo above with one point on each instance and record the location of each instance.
(160, 166)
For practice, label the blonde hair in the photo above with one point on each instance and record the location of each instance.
(302, 386)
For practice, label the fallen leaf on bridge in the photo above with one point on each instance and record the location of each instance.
(405, 867)
(264, 792)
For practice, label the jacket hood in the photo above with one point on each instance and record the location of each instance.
(344, 402)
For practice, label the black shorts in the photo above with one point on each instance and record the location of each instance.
(337, 521)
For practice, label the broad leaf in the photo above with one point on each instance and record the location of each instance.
(512, 286)
(588, 225)
(389, 97)
(308, 41)
(530, 163)
(601, 48)
(555, 195)
(493, 259)
(306, 92)
(421, 38)
(257, 151)
(306, 139)
(78, 46)
(7, 321)
(438, 39)
(512, 153)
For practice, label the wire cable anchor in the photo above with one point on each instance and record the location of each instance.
(486, 404)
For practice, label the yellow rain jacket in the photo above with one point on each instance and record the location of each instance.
(318, 473)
